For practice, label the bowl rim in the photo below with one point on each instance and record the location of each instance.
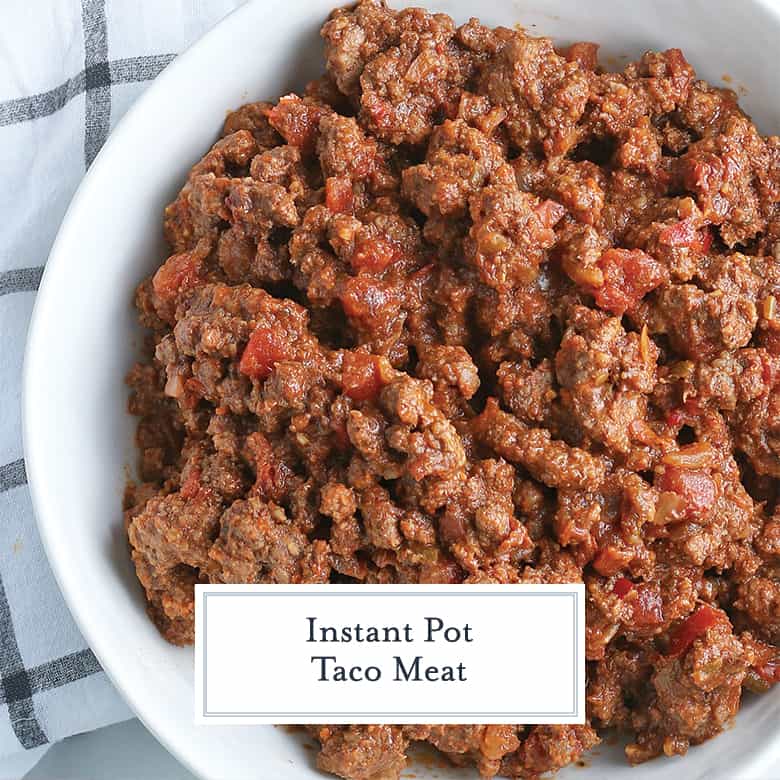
(35, 479)
(31, 446)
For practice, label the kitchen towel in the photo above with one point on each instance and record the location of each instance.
(68, 72)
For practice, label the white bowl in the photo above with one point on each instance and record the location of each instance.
(79, 437)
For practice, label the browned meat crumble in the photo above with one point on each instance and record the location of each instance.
(473, 309)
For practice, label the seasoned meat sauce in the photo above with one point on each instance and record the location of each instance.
(473, 309)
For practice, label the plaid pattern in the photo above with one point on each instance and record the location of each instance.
(51, 684)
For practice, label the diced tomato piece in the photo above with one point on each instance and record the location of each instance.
(361, 376)
(648, 606)
(584, 53)
(675, 418)
(770, 370)
(703, 172)
(681, 415)
(692, 628)
(685, 234)
(366, 299)
(339, 197)
(679, 234)
(177, 274)
(705, 240)
(297, 121)
(629, 274)
(550, 213)
(378, 111)
(374, 255)
(271, 474)
(695, 486)
(264, 350)
(770, 671)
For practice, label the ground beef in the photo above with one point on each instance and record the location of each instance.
(473, 309)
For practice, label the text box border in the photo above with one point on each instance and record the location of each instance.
(458, 591)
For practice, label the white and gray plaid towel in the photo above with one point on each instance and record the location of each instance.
(68, 71)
